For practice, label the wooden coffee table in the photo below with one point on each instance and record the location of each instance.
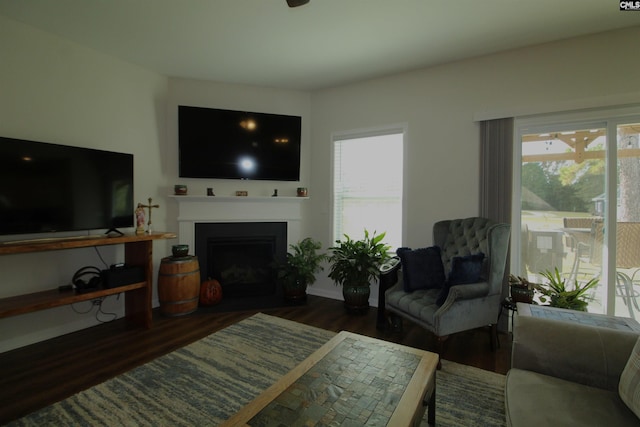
(351, 380)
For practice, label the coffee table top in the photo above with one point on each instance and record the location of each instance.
(351, 380)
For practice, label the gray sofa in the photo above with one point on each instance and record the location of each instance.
(568, 374)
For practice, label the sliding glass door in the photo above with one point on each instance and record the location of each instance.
(579, 207)
(626, 257)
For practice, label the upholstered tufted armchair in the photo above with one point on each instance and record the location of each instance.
(474, 304)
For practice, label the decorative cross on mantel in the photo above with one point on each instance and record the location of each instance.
(149, 206)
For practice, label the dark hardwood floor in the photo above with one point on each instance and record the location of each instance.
(35, 376)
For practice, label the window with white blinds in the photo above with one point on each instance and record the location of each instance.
(367, 185)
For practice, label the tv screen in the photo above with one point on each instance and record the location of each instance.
(230, 144)
(48, 187)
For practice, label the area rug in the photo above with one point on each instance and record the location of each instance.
(208, 381)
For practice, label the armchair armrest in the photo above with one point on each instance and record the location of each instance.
(464, 292)
(590, 355)
(473, 290)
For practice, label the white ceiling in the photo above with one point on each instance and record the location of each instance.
(322, 44)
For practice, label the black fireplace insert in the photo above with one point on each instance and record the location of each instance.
(241, 256)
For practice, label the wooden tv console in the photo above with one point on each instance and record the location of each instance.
(138, 251)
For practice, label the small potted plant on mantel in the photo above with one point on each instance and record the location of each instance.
(299, 269)
(354, 265)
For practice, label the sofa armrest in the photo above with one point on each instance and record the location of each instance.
(590, 355)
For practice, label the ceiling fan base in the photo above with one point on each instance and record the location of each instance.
(296, 3)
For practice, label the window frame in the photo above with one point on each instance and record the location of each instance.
(399, 128)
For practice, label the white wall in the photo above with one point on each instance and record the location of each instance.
(55, 91)
(235, 97)
(439, 104)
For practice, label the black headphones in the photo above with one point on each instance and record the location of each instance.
(94, 282)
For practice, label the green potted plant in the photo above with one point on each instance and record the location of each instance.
(558, 294)
(354, 265)
(299, 269)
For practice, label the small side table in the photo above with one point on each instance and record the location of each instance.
(387, 278)
(511, 306)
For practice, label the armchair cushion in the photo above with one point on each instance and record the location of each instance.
(420, 304)
(464, 270)
(421, 268)
(629, 386)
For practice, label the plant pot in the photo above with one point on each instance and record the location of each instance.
(521, 294)
(356, 298)
(295, 293)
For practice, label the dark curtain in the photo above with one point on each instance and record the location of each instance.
(496, 181)
(496, 169)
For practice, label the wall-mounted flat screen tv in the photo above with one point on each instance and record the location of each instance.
(229, 144)
(49, 188)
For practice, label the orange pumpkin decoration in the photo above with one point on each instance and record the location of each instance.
(210, 292)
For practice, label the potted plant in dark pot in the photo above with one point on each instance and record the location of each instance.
(354, 265)
(299, 269)
(521, 289)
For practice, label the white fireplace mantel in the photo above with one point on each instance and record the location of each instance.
(205, 209)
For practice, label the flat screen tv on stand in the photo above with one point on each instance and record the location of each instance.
(47, 188)
(227, 144)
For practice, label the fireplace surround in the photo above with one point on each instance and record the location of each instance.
(252, 227)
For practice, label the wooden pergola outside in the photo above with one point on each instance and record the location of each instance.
(577, 142)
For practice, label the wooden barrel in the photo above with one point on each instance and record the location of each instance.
(179, 285)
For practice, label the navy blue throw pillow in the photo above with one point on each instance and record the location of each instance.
(464, 270)
(421, 268)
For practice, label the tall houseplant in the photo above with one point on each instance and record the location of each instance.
(300, 268)
(355, 264)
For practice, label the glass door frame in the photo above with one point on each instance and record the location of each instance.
(609, 119)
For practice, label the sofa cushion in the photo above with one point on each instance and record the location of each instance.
(421, 268)
(464, 270)
(629, 386)
(533, 399)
